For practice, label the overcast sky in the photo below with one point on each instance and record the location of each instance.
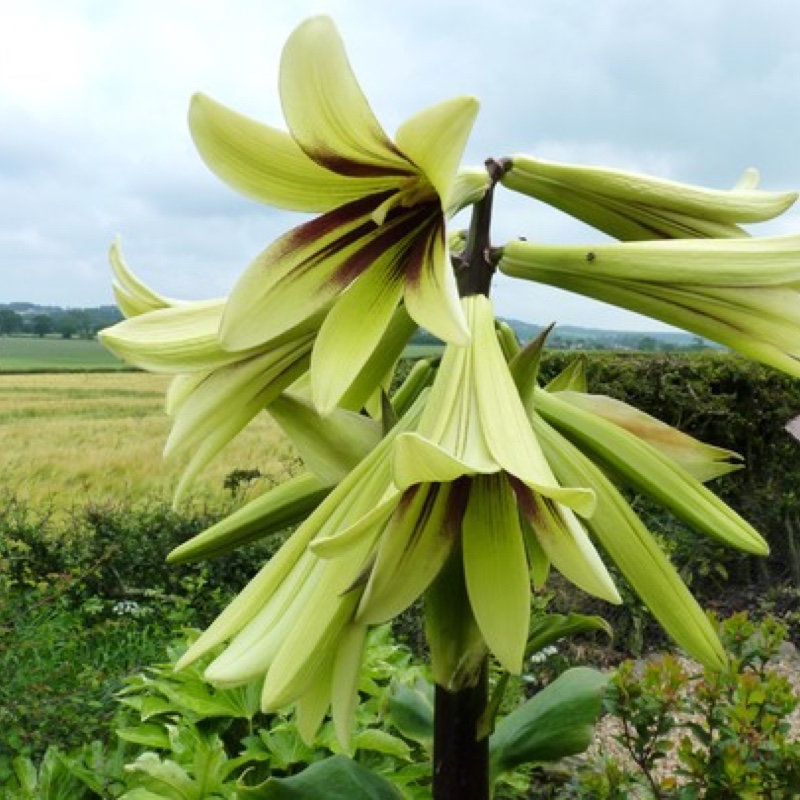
(94, 142)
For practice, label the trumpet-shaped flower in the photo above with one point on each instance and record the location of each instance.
(742, 293)
(462, 471)
(295, 623)
(381, 237)
(635, 207)
(216, 393)
(598, 442)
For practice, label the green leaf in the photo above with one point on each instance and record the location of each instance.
(557, 722)
(336, 778)
(165, 779)
(379, 741)
(152, 736)
(550, 628)
(412, 711)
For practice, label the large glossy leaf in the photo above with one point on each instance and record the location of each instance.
(557, 722)
(412, 711)
(336, 778)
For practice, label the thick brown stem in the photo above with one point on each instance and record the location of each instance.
(460, 759)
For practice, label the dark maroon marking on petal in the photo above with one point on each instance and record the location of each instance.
(342, 215)
(457, 506)
(526, 501)
(420, 256)
(356, 169)
(407, 498)
(388, 235)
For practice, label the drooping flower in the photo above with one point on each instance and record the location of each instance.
(216, 393)
(381, 237)
(634, 207)
(598, 442)
(742, 293)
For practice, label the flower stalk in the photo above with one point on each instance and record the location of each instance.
(460, 748)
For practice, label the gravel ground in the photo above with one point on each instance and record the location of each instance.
(788, 664)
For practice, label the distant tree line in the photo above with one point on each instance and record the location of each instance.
(596, 340)
(82, 323)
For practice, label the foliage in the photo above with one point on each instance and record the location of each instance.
(731, 403)
(728, 731)
(87, 600)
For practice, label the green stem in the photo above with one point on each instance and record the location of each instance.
(475, 267)
(460, 744)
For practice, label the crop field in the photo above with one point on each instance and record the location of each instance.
(30, 354)
(68, 439)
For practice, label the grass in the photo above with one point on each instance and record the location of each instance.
(32, 354)
(71, 438)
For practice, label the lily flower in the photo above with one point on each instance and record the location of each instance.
(599, 442)
(462, 471)
(381, 236)
(742, 293)
(216, 393)
(295, 623)
(634, 207)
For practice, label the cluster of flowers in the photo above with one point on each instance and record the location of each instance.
(469, 481)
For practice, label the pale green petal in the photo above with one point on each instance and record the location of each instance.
(133, 296)
(741, 293)
(435, 138)
(347, 538)
(252, 651)
(647, 470)
(267, 164)
(258, 591)
(287, 504)
(751, 262)
(329, 446)
(469, 187)
(313, 637)
(349, 502)
(505, 424)
(346, 674)
(326, 110)
(181, 387)
(636, 552)
(353, 330)
(537, 558)
(411, 552)
(703, 461)
(496, 570)
(301, 273)
(172, 340)
(431, 293)
(631, 206)
(313, 705)
(376, 375)
(568, 547)
(418, 460)
(451, 419)
(230, 397)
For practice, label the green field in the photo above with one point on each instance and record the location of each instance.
(32, 354)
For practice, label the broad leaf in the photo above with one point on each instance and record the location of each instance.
(412, 711)
(557, 722)
(336, 778)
